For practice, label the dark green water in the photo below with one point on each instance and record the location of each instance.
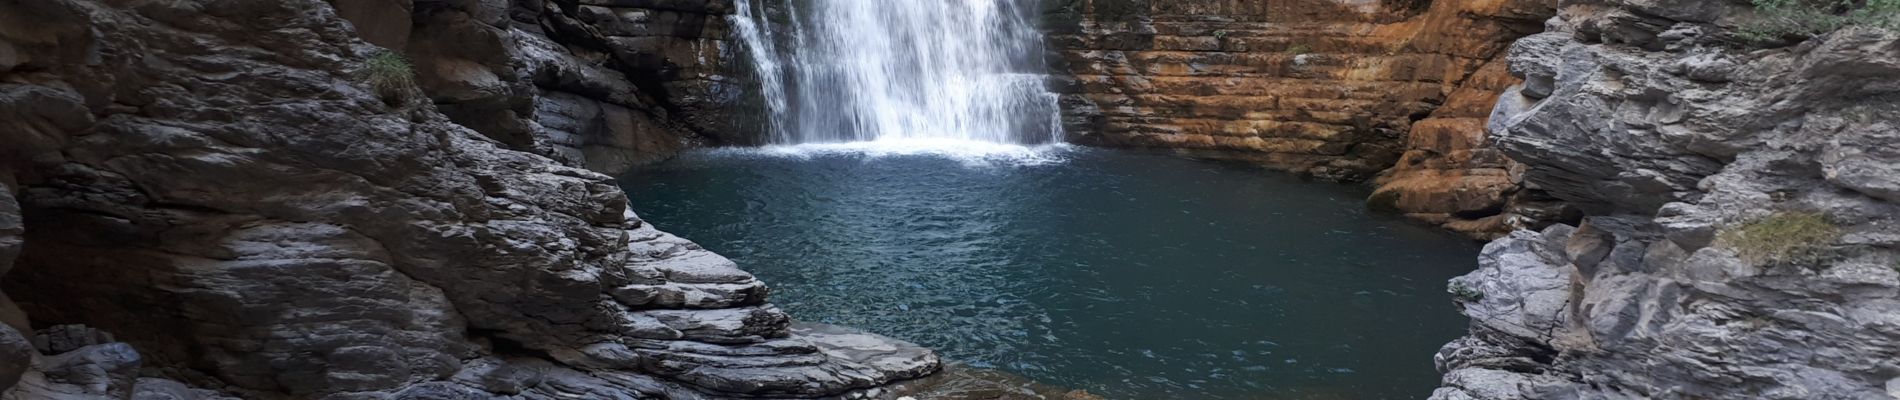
(1131, 275)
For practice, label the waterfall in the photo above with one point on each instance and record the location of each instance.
(835, 71)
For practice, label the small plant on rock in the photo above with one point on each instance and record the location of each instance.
(1784, 19)
(1783, 238)
(389, 75)
(1463, 293)
(1298, 49)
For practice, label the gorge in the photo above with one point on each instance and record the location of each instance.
(234, 199)
(1128, 275)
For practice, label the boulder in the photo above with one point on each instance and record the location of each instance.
(1676, 143)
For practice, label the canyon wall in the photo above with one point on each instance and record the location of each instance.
(1744, 201)
(210, 198)
(601, 84)
(1396, 91)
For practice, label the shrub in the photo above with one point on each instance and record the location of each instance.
(1298, 49)
(1783, 238)
(389, 75)
(1800, 19)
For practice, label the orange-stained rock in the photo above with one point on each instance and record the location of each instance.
(1336, 89)
(1449, 175)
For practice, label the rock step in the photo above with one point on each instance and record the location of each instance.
(850, 359)
(691, 296)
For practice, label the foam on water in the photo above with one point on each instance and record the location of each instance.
(835, 71)
(970, 153)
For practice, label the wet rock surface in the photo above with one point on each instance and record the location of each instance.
(1680, 141)
(218, 188)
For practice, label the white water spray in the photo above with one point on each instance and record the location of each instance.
(882, 70)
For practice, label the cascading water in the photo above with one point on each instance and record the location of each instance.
(873, 70)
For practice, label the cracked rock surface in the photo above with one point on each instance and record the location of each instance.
(1656, 121)
(214, 184)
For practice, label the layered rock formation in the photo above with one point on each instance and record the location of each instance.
(602, 84)
(1340, 90)
(1693, 152)
(216, 186)
(1452, 176)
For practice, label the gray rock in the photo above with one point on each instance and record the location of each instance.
(109, 369)
(1669, 143)
(12, 241)
(81, 363)
(1707, 67)
(16, 357)
(1861, 160)
(1520, 285)
(65, 338)
(254, 219)
(166, 389)
(612, 86)
(1534, 59)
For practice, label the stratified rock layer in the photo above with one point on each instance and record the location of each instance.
(1653, 119)
(217, 187)
(1335, 89)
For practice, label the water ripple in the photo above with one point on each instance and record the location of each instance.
(1131, 275)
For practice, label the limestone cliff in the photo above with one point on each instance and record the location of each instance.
(1744, 237)
(216, 191)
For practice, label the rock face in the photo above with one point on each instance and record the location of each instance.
(1452, 176)
(215, 185)
(601, 84)
(1677, 139)
(1340, 90)
(76, 362)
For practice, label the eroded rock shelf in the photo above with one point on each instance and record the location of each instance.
(217, 188)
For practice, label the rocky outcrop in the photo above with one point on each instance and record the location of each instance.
(216, 186)
(1340, 90)
(75, 362)
(1451, 175)
(1685, 146)
(602, 84)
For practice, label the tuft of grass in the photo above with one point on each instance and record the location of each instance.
(1462, 292)
(389, 75)
(1298, 49)
(1783, 238)
(1801, 19)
